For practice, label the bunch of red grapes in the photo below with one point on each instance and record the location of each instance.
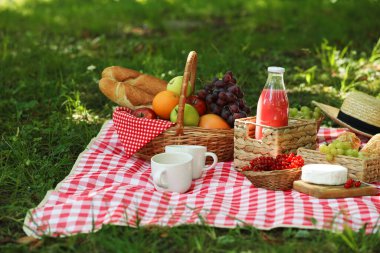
(281, 162)
(225, 98)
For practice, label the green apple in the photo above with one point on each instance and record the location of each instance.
(175, 85)
(190, 117)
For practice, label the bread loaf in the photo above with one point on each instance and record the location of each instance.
(373, 145)
(130, 88)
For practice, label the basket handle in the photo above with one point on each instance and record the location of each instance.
(189, 74)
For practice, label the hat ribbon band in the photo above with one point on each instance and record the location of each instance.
(358, 124)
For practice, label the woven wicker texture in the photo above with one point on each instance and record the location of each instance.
(299, 133)
(276, 180)
(319, 122)
(219, 141)
(367, 170)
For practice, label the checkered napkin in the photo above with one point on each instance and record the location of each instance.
(135, 132)
(106, 187)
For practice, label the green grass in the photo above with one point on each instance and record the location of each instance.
(199, 238)
(50, 105)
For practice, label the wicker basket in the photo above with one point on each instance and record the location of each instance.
(366, 170)
(319, 122)
(298, 133)
(274, 180)
(219, 141)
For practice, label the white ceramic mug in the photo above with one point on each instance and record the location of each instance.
(172, 171)
(199, 154)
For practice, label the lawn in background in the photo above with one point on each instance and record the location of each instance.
(51, 56)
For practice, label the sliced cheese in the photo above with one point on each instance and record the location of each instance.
(327, 174)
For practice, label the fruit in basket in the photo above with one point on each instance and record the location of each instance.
(164, 102)
(144, 112)
(190, 117)
(338, 147)
(225, 98)
(199, 104)
(213, 121)
(175, 85)
(281, 162)
(305, 112)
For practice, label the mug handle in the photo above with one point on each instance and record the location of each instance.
(214, 158)
(158, 179)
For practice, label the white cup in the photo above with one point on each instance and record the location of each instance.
(172, 171)
(199, 154)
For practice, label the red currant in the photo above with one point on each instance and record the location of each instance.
(357, 183)
(246, 168)
(281, 162)
(347, 185)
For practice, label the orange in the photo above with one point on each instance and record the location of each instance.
(213, 121)
(164, 102)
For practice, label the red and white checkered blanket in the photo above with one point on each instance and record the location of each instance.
(104, 187)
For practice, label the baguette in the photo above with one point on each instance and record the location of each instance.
(130, 88)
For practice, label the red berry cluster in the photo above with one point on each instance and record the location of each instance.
(289, 161)
(350, 183)
(281, 162)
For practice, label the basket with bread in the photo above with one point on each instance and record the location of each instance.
(362, 163)
(205, 119)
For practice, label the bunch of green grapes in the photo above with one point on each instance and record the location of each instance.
(305, 113)
(339, 148)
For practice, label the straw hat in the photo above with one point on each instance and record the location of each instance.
(359, 112)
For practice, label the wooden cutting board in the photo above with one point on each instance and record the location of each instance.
(333, 192)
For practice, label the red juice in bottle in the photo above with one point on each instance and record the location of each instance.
(273, 105)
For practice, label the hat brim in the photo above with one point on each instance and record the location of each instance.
(332, 113)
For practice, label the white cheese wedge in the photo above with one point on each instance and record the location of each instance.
(327, 174)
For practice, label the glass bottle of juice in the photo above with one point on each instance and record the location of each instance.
(273, 105)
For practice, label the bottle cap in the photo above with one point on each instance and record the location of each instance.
(276, 70)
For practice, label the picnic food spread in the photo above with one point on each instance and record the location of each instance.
(222, 100)
(148, 164)
(261, 142)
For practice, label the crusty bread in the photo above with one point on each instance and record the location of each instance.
(130, 88)
(373, 145)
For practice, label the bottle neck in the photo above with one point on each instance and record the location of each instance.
(275, 81)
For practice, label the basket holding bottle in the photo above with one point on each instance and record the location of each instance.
(274, 140)
(271, 133)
